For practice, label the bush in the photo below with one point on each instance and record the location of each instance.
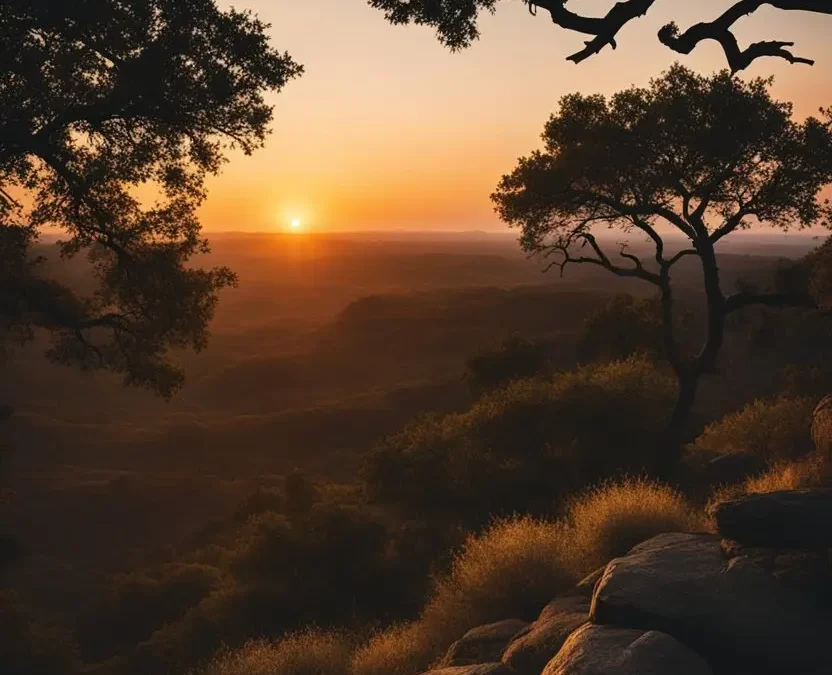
(306, 653)
(624, 326)
(521, 447)
(774, 430)
(608, 521)
(513, 359)
(400, 650)
(29, 646)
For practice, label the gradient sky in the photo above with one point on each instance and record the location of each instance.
(387, 129)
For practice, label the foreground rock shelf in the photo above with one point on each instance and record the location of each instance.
(758, 602)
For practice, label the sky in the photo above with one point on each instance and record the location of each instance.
(387, 129)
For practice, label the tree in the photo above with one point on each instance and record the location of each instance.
(701, 157)
(456, 25)
(99, 98)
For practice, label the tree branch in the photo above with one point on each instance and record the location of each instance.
(602, 259)
(604, 28)
(720, 30)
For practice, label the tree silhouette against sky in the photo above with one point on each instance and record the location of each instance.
(99, 98)
(456, 25)
(700, 157)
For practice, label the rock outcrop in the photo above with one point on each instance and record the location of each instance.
(735, 614)
(601, 650)
(793, 519)
(530, 651)
(484, 644)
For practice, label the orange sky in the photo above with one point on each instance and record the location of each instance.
(387, 129)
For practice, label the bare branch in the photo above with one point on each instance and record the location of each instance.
(720, 30)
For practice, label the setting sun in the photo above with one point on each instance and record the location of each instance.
(295, 223)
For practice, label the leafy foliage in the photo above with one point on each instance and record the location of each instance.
(101, 101)
(456, 25)
(624, 326)
(513, 359)
(520, 447)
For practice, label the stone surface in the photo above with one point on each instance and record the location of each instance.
(602, 650)
(483, 644)
(822, 426)
(733, 612)
(799, 519)
(532, 649)
(481, 669)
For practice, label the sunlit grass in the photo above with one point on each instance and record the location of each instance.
(307, 653)
(606, 522)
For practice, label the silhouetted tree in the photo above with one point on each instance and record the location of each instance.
(702, 156)
(97, 98)
(456, 24)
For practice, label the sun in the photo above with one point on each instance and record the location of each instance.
(295, 223)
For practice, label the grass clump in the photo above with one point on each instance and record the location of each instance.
(774, 430)
(400, 650)
(307, 653)
(607, 521)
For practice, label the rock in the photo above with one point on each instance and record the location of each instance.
(822, 426)
(480, 669)
(587, 585)
(484, 644)
(733, 613)
(532, 649)
(601, 650)
(799, 519)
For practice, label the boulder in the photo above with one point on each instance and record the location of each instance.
(484, 644)
(532, 649)
(800, 519)
(733, 613)
(602, 650)
(480, 669)
(822, 426)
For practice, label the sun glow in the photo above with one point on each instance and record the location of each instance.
(295, 223)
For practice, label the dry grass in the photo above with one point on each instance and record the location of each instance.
(307, 653)
(517, 565)
(609, 520)
(774, 430)
(399, 650)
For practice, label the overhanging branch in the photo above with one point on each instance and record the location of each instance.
(603, 28)
(720, 30)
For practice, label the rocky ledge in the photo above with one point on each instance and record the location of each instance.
(755, 599)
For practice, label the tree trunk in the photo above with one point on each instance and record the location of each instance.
(689, 373)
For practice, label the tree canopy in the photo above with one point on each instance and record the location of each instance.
(698, 157)
(101, 100)
(456, 25)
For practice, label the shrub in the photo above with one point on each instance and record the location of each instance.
(307, 653)
(777, 429)
(400, 650)
(624, 326)
(521, 447)
(28, 645)
(608, 521)
(513, 359)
